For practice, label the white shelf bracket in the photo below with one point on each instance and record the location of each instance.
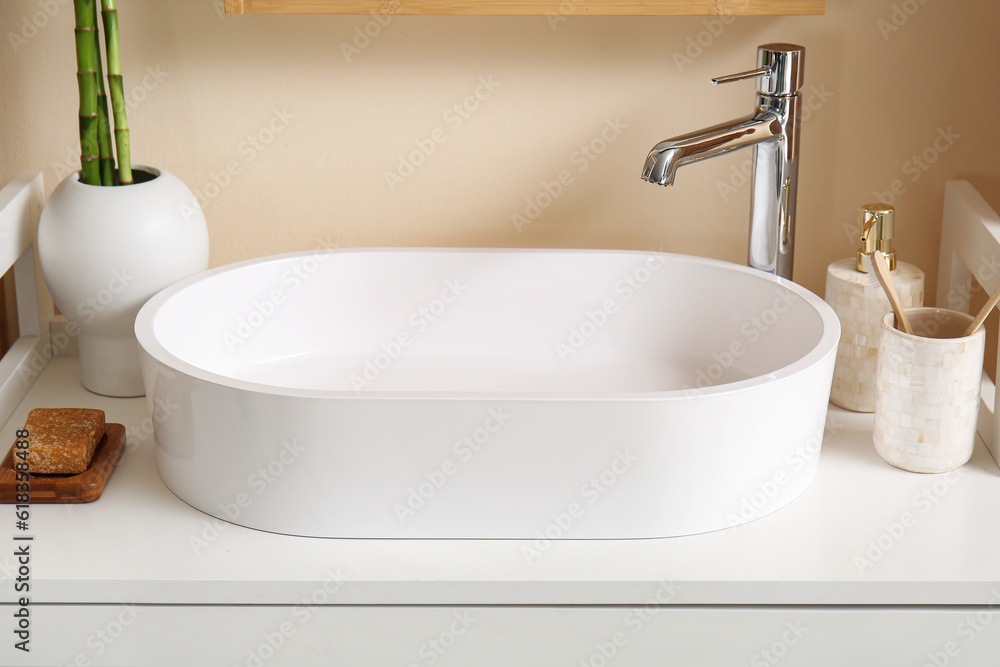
(20, 206)
(970, 247)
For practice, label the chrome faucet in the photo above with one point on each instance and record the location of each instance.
(773, 131)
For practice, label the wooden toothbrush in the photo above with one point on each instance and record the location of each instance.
(885, 277)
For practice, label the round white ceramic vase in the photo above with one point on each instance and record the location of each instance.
(105, 251)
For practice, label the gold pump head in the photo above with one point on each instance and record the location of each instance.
(878, 226)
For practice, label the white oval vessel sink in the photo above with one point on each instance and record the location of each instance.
(487, 393)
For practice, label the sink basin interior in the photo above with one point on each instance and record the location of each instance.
(513, 321)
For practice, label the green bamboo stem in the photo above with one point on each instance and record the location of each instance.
(86, 76)
(105, 148)
(110, 14)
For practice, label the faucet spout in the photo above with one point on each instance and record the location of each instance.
(667, 156)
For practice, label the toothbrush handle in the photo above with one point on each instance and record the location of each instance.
(885, 277)
(984, 312)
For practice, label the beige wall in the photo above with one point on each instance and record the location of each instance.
(288, 130)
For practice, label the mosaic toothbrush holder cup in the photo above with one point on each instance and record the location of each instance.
(927, 390)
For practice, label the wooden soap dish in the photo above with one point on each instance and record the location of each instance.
(85, 487)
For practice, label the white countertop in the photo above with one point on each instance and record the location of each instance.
(864, 533)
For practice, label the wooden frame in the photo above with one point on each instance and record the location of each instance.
(529, 7)
(20, 205)
(970, 247)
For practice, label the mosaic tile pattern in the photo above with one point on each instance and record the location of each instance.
(860, 303)
(927, 400)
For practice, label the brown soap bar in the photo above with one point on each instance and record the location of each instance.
(62, 440)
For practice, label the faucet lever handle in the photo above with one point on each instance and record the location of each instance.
(779, 67)
(752, 74)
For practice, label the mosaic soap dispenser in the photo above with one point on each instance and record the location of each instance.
(853, 290)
